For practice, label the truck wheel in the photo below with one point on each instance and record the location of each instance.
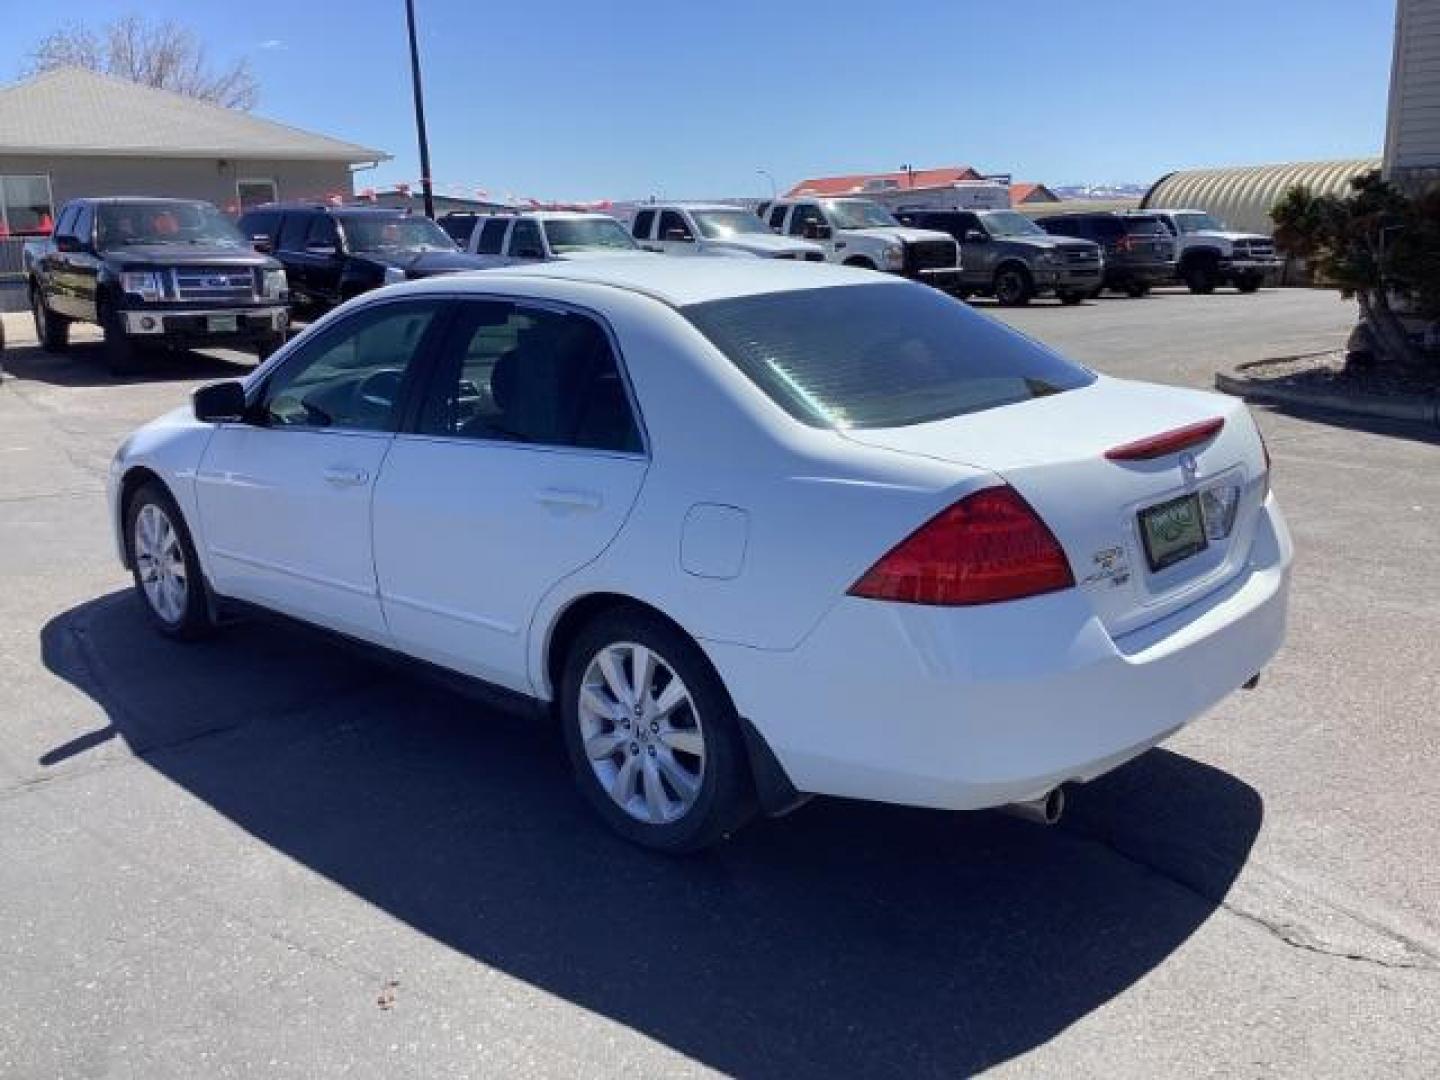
(1069, 297)
(51, 330)
(1248, 283)
(1200, 276)
(121, 355)
(862, 264)
(1013, 287)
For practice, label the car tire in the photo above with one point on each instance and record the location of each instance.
(1070, 297)
(860, 264)
(164, 566)
(669, 773)
(1012, 286)
(51, 330)
(122, 356)
(1248, 283)
(1200, 277)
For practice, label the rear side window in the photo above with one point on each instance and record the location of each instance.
(641, 228)
(492, 236)
(875, 356)
(292, 232)
(525, 240)
(260, 223)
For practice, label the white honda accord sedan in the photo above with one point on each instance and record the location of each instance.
(751, 530)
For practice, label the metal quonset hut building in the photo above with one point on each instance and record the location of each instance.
(1242, 196)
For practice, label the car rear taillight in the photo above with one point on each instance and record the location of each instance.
(989, 546)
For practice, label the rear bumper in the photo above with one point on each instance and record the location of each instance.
(964, 708)
(1259, 267)
(1146, 273)
(207, 324)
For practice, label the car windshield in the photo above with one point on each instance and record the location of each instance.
(164, 223)
(1010, 223)
(587, 234)
(722, 224)
(857, 214)
(875, 356)
(1192, 223)
(383, 232)
(1145, 226)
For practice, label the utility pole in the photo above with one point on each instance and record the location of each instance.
(766, 173)
(427, 188)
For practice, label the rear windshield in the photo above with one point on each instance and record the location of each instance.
(1145, 226)
(876, 356)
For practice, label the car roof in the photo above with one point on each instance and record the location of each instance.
(694, 206)
(676, 282)
(100, 199)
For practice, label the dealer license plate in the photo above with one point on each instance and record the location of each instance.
(1172, 531)
(223, 324)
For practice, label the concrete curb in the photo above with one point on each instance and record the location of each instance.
(1410, 407)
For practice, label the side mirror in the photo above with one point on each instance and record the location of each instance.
(262, 243)
(220, 402)
(67, 243)
(321, 249)
(975, 236)
(677, 236)
(818, 230)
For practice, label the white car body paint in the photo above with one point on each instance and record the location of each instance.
(747, 528)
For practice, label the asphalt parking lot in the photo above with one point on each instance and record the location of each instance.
(272, 854)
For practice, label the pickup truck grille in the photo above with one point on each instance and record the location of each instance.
(931, 255)
(214, 283)
(1254, 249)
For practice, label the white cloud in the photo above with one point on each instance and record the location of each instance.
(273, 45)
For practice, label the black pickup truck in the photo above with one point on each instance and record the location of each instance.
(154, 273)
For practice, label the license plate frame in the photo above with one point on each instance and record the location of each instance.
(1179, 536)
(222, 324)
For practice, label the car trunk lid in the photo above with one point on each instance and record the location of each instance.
(1052, 450)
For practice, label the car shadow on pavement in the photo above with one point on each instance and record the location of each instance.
(83, 364)
(845, 939)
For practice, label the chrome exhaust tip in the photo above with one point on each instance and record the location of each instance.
(1046, 810)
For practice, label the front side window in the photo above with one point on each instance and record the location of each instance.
(156, 222)
(641, 227)
(587, 234)
(492, 236)
(674, 227)
(722, 224)
(876, 356)
(804, 214)
(459, 228)
(350, 377)
(1145, 226)
(1193, 223)
(509, 373)
(25, 206)
(525, 240)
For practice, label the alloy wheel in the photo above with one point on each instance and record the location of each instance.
(160, 563)
(642, 733)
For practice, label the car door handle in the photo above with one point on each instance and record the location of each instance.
(579, 500)
(342, 477)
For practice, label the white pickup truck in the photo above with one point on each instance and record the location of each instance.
(1209, 253)
(715, 229)
(540, 235)
(861, 232)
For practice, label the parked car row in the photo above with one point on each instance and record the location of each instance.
(175, 273)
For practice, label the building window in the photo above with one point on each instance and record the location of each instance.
(254, 193)
(25, 206)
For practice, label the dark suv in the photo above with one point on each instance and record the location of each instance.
(333, 253)
(1139, 251)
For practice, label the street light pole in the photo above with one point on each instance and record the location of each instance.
(766, 173)
(427, 188)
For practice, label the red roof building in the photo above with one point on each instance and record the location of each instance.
(863, 182)
(1031, 193)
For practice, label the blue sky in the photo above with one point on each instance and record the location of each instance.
(566, 100)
